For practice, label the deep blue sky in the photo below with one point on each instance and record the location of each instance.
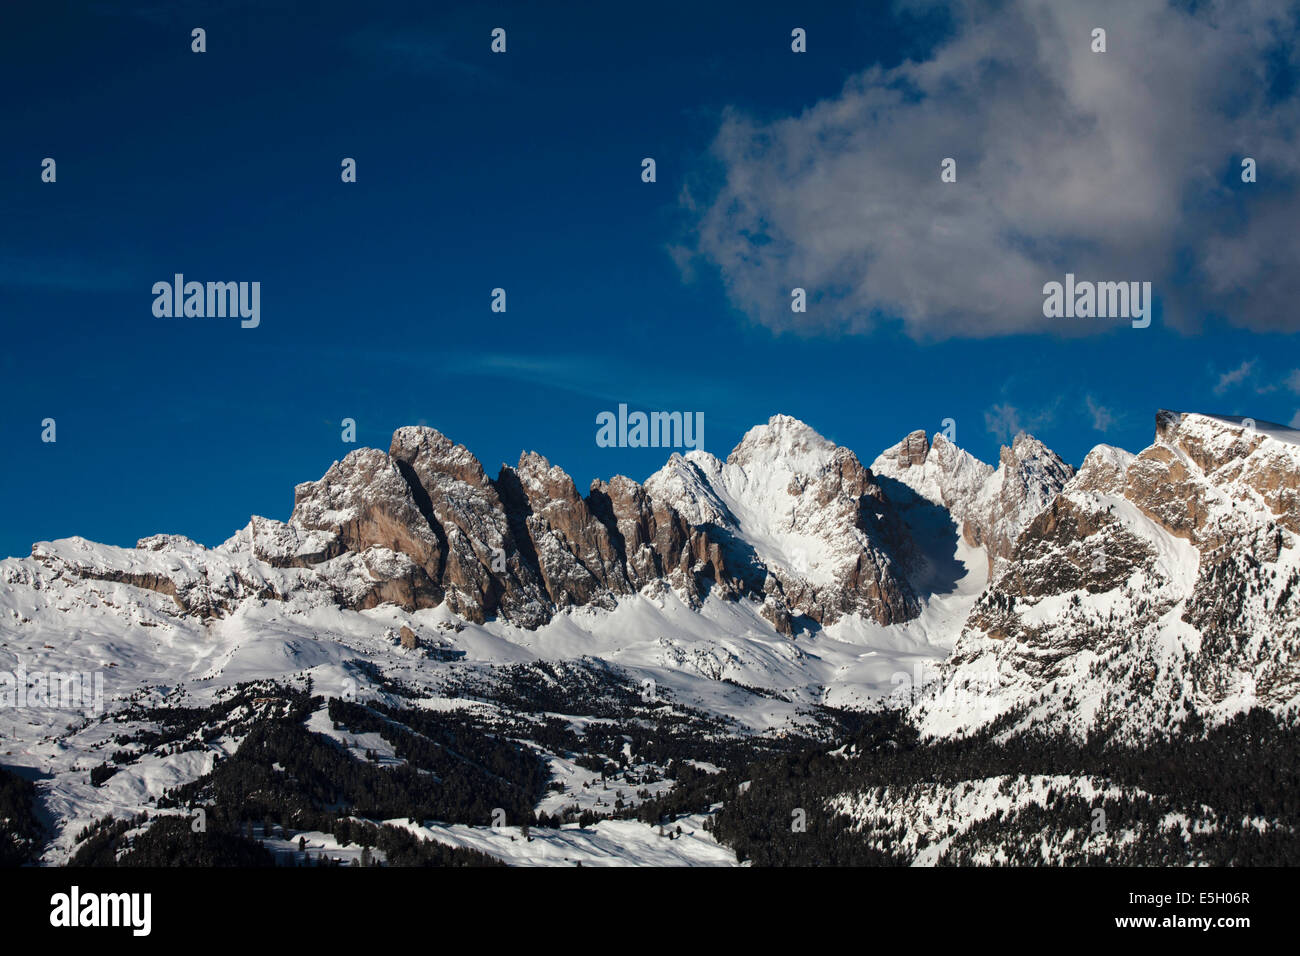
(475, 171)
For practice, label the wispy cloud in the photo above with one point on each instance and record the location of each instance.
(1006, 421)
(1102, 418)
(422, 53)
(1231, 379)
(590, 376)
(1003, 421)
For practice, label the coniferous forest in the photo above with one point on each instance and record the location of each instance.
(858, 789)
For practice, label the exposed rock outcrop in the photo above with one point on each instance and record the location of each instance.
(1153, 587)
(800, 522)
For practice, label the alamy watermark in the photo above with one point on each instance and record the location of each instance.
(211, 300)
(653, 430)
(974, 694)
(53, 690)
(1099, 300)
(133, 911)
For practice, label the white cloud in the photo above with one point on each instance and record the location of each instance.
(1235, 377)
(1102, 418)
(1115, 166)
(1003, 421)
(1295, 420)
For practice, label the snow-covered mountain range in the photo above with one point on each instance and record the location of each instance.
(1124, 598)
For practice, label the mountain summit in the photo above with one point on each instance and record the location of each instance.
(1130, 595)
(1153, 588)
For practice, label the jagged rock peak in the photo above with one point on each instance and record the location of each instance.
(990, 507)
(799, 517)
(935, 456)
(1238, 459)
(167, 542)
(436, 452)
(912, 450)
(1215, 439)
(783, 437)
(1026, 450)
(1103, 470)
(540, 478)
(1153, 585)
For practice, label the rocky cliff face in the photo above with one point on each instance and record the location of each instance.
(421, 526)
(656, 543)
(1153, 587)
(1029, 477)
(990, 507)
(1123, 599)
(800, 522)
(941, 473)
(789, 520)
(518, 547)
(488, 568)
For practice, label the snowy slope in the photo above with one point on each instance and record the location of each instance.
(1122, 597)
(1155, 586)
(607, 843)
(800, 518)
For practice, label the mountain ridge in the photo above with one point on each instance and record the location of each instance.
(786, 594)
(797, 531)
(423, 525)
